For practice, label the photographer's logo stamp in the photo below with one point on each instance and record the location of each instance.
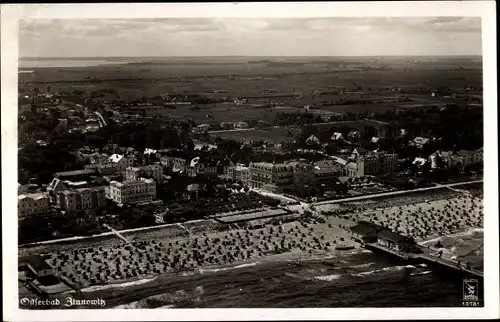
(470, 292)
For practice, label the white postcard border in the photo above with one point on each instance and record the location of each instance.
(9, 29)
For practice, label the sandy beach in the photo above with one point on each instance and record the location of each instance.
(207, 246)
(142, 257)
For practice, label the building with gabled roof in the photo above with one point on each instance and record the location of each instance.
(337, 136)
(313, 139)
(419, 142)
(33, 204)
(121, 161)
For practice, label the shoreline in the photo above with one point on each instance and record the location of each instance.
(153, 258)
(142, 284)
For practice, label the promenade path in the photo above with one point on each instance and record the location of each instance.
(395, 193)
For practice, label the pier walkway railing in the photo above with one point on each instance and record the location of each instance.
(427, 257)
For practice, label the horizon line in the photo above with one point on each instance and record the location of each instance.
(277, 56)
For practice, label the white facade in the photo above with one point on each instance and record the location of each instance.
(143, 190)
(33, 204)
(121, 161)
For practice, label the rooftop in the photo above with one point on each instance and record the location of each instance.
(36, 262)
(393, 236)
(34, 196)
(241, 168)
(74, 173)
(193, 187)
(327, 166)
(363, 230)
(421, 140)
(116, 158)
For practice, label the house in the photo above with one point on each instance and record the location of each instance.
(419, 162)
(393, 240)
(467, 157)
(339, 160)
(435, 159)
(202, 128)
(33, 204)
(26, 188)
(450, 159)
(149, 151)
(327, 171)
(199, 166)
(419, 142)
(337, 136)
(313, 140)
(154, 172)
(239, 173)
(365, 232)
(176, 164)
(272, 176)
(55, 186)
(242, 125)
(36, 265)
(357, 152)
(223, 166)
(354, 136)
(371, 163)
(193, 190)
(81, 199)
(120, 161)
(478, 156)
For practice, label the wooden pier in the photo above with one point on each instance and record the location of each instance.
(427, 258)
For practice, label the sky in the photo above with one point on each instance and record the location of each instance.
(250, 37)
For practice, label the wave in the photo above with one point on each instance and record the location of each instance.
(421, 273)
(121, 285)
(328, 278)
(362, 265)
(213, 270)
(165, 300)
(385, 269)
(306, 278)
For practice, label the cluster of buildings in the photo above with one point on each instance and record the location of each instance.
(273, 176)
(276, 176)
(203, 128)
(456, 159)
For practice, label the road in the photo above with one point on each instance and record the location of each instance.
(395, 193)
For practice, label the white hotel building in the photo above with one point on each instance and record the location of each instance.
(138, 191)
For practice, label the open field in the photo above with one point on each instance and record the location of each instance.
(366, 79)
(274, 134)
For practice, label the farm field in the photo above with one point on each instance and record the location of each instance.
(290, 81)
(273, 134)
